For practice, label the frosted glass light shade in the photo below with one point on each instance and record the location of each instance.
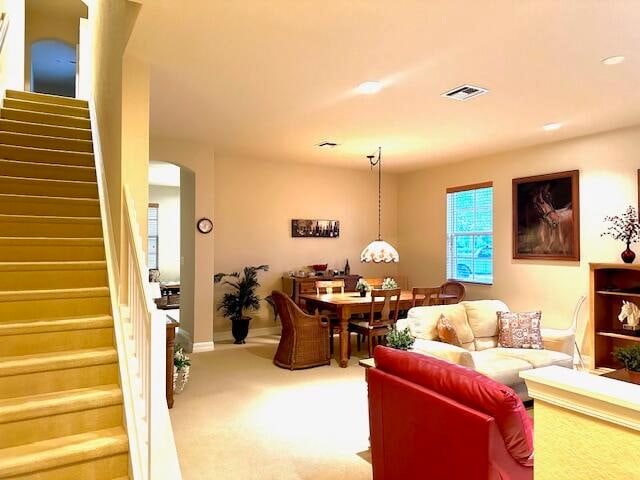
(379, 251)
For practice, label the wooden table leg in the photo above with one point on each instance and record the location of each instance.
(171, 336)
(344, 313)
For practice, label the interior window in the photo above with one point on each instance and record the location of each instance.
(470, 233)
(152, 238)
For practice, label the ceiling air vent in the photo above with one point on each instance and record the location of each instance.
(465, 92)
(327, 145)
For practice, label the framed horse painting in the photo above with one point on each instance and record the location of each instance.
(546, 217)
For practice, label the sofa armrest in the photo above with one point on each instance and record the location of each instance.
(444, 351)
(559, 340)
(402, 323)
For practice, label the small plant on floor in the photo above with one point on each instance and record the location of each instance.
(181, 368)
(629, 357)
(389, 284)
(400, 339)
(241, 299)
(363, 287)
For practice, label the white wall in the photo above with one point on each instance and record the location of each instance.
(12, 54)
(168, 199)
(608, 164)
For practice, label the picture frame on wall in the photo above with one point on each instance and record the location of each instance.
(306, 228)
(546, 216)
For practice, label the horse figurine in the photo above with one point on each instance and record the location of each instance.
(631, 312)
(555, 230)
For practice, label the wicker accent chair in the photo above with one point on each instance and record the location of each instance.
(453, 288)
(305, 338)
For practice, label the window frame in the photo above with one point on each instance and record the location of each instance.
(156, 236)
(450, 242)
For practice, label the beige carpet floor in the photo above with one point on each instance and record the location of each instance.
(242, 418)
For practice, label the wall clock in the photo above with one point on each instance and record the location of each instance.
(205, 225)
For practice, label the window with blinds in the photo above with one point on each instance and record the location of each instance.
(152, 238)
(470, 233)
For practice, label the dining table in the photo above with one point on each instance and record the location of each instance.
(350, 303)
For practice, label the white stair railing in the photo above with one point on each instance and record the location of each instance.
(140, 331)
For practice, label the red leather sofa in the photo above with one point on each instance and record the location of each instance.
(430, 419)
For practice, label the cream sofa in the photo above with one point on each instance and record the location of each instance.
(477, 326)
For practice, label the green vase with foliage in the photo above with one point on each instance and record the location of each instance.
(629, 357)
(241, 299)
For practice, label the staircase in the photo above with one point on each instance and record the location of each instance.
(61, 413)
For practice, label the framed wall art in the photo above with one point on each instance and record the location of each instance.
(546, 217)
(315, 228)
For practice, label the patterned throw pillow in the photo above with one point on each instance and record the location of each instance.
(520, 330)
(446, 332)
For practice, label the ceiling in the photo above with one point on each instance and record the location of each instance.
(269, 81)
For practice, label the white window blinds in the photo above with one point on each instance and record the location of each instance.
(152, 237)
(470, 233)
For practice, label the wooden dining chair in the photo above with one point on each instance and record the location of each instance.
(379, 322)
(425, 296)
(374, 282)
(452, 288)
(328, 287)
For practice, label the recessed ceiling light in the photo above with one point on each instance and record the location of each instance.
(613, 60)
(369, 88)
(327, 145)
(549, 127)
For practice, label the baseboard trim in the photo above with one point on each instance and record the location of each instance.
(200, 347)
(254, 332)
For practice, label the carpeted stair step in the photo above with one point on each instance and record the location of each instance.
(52, 372)
(45, 416)
(46, 118)
(48, 188)
(16, 126)
(63, 324)
(45, 98)
(55, 335)
(43, 141)
(52, 171)
(73, 302)
(96, 455)
(31, 106)
(43, 275)
(50, 226)
(41, 205)
(27, 249)
(45, 155)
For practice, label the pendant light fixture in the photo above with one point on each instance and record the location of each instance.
(379, 251)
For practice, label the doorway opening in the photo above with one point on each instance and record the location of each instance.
(53, 68)
(171, 244)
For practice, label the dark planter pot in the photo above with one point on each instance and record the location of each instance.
(628, 256)
(363, 293)
(240, 329)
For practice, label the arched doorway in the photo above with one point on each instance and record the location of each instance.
(53, 67)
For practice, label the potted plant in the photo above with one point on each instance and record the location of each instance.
(241, 299)
(630, 358)
(181, 367)
(389, 284)
(625, 227)
(362, 286)
(400, 339)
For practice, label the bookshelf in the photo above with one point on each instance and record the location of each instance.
(610, 284)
